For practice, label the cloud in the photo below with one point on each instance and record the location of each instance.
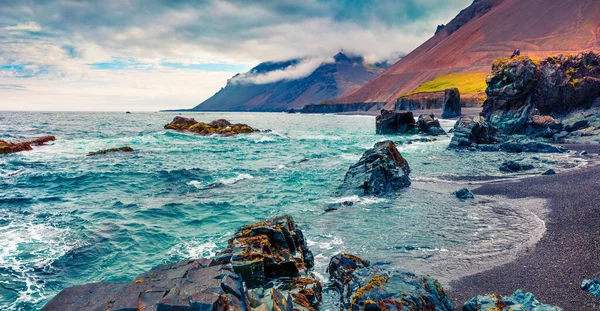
(292, 72)
(60, 41)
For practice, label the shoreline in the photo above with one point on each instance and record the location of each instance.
(554, 267)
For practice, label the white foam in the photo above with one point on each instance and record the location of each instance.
(359, 200)
(264, 139)
(194, 249)
(239, 177)
(195, 183)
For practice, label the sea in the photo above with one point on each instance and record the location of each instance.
(67, 218)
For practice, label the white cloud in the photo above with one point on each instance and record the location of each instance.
(300, 70)
(30, 26)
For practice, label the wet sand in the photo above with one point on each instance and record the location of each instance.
(568, 252)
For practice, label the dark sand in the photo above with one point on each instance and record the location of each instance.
(569, 251)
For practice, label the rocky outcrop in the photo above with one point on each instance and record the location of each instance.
(513, 166)
(395, 122)
(518, 301)
(111, 150)
(451, 104)
(339, 108)
(464, 194)
(363, 287)
(592, 287)
(265, 267)
(435, 100)
(8, 147)
(527, 97)
(217, 127)
(470, 132)
(380, 170)
(427, 124)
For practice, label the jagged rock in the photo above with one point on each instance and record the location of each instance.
(451, 103)
(428, 124)
(520, 88)
(512, 166)
(372, 288)
(464, 194)
(470, 132)
(220, 127)
(7, 147)
(395, 122)
(592, 286)
(380, 170)
(549, 172)
(518, 301)
(105, 151)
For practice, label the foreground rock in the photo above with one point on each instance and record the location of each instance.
(7, 147)
(518, 301)
(217, 127)
(451, 104)
(512, 166)
(111, 150)
(470, 132)
(265, 267)
(380, 170)
(464, 194)
(427, 124)
(592, 287)
(362, 287)
(395, 122)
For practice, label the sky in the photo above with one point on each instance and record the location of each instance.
(144, 55)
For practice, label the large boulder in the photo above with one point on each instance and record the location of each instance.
(395, 122)
(217, 127)
(363, 287)
(379, 171)
(8, 147)
(429, 125)
(451, 104)
(518, 301)
(470, 132)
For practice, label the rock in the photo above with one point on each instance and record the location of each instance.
(576, 126)
(219, 127)
(518, 301)
(362, 287)
(105, 151)
(464, 194)
(380, 170)
(427, 124)
(335, 206)
(512, 166)
(470, 132)
(530, 146)
(451, 104)
(583, 152)
(592, 286)
(7, 147)
(549, 172)
(394, 122)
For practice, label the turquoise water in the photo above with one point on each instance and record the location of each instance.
(68, 219)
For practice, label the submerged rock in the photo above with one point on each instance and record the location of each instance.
(512, 166)
(380, 170)
(451, 103)
(395, 122)
(111, 150)
(518, 301)
(592, 287)
(8, 147)
(362, 287)
(464, 194)
(429, 125)
(470, 132)
(220, 127)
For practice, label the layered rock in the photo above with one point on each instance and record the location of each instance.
(518, 301)
(470, 132)
(380, 170)
(429, 125)
(111, 150)
(395, 122)
(451, 107)
(363, 287)
(217, 127)
(8, 147)
(526, 96)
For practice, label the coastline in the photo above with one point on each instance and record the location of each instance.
(555, 266)
(469, 112)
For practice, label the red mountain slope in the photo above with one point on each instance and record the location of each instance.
(483, 32)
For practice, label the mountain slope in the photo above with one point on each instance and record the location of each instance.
(485, 31)
(328, 80)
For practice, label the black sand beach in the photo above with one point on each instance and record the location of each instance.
(569, 251)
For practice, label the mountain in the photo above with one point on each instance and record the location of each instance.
(483, 32)
(257, 89)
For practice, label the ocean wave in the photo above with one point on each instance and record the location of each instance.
(233, 180)
(193, 249)
(359, 200)
(265, 139)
